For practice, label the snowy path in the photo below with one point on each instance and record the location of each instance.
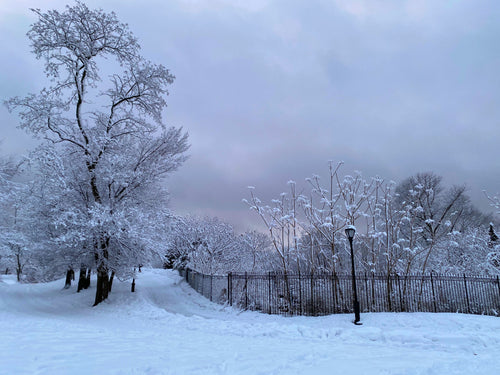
(167, 328)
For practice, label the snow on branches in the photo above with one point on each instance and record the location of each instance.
(401, 228)
(107, 149)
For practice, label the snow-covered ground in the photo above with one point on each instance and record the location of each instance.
(167, 328)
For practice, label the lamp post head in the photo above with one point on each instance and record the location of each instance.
(350, 231)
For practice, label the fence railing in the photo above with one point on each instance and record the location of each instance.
(324, 294)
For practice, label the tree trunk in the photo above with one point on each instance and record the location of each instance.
(102, 286)
(111, 280)
(87, 279)
(105, 286)
(82, 279)
(70, 275)
(19, 267)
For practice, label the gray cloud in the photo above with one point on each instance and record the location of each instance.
(272, 90)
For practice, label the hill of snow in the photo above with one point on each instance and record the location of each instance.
(167, 328)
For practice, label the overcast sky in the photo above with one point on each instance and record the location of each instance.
(271, 90)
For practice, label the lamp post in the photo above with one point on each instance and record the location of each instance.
(349, 232)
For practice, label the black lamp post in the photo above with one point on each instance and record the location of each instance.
(349, 232)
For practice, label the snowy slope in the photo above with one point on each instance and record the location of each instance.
(167, 328)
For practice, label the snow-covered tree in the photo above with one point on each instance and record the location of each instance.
(255, 253)
(324, 221)
(463, 252)
(493, 256)
(437, 211)
(210, 246)
(343, 201)
(108, 148)
(281, 221)
(13, 250)
(413, 226)
(495, 203)
(307, 229)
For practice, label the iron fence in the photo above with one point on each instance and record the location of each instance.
(324, 294)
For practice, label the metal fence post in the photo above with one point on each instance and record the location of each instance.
(246, 290)
(433, 293)
(300, 294)
(400, 295)
(211, 286)
(203, 285)
(367, 293)
(498, 284)
(230, 288)
(373, 292)
(466, 294)
(269, 291)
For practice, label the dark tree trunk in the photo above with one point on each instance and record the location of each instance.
(98, 292)
(87, 279)
(111, 280)
(19, 267)
(102, 285)
(82, 279)
(70, 275)
(105, 287)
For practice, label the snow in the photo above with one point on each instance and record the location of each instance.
(167, 328)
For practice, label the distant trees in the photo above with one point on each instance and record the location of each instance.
(5, 195)
(211, 246)
(495, 202)
(107, 150)
(417, 225)
(494, 242)
(14, 240)
(307, 229)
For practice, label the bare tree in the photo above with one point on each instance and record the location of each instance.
(402, 228)
(436, 210)
(255, 251)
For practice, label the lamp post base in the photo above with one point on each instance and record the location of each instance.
(357, 317)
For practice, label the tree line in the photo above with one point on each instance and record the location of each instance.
(415, 226)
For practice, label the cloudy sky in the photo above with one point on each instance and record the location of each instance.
(271, 90)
